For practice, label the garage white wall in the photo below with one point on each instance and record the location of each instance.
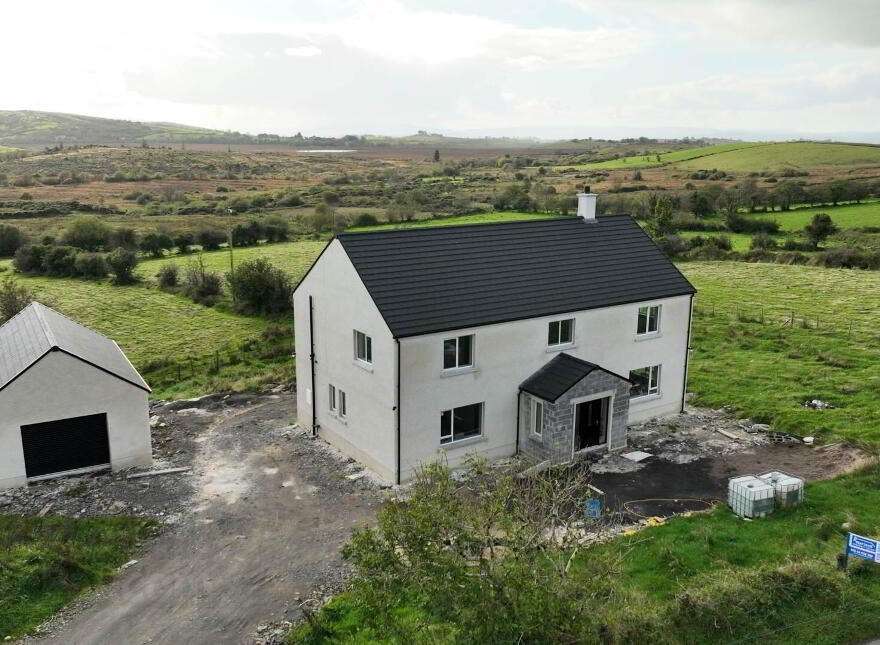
(342, 305)
(60, 386)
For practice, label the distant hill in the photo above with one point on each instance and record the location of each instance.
(29, 128)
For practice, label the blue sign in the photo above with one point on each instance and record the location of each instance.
(593, 508)
(863, 547)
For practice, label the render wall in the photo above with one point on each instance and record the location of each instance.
(508, 353)
(341, 304)
(60, 386)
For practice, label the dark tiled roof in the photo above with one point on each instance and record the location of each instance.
(434, 279)
(558, 376)
(28, 336)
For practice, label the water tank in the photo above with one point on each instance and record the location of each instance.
(750, 496)
(789, 489)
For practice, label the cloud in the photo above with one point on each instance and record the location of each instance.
(303, 51)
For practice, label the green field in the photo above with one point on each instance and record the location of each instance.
(643, 161)
(481, 218)
(46, 561)
(787, 155)
(844, 217)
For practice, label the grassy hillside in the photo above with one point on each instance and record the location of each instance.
(642, 161)
(52, 128)
(787, 155)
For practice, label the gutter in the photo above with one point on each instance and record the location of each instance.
(397, 410)
(518, 415)
(687, 353)
(312, 363)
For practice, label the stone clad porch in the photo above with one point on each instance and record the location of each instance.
(571, 407)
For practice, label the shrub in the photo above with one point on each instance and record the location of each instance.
(201, 285)
(183, 242)
(248, 234)
(87, 233)
(221, 189)
(91, 265)
(124, 237)
(366, 219)
(156, 243)
(672, 245)
(847, 258)
(29, 259)
(819, 228)
(740, 224)
(276, 229)
(13, 298)
(762, 241)
(60, 261)
(11, 239)
(123, 263)
(210, 239)
(258, 287)
(26, 197)
(131, 196)
(168, 276)
(143, 199)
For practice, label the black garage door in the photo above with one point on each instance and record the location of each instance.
(67, 444)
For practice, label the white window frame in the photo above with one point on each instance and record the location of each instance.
(537, 418)
(332, 397)
(656, 318)
(654, 373)
(451, 435)
(366, 356)
(458, 365)
(343, 405)
(559, 342)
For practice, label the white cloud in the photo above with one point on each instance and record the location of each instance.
(303, 51)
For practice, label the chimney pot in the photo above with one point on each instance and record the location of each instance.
(587, 205)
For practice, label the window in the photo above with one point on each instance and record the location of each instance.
(332, 398)
(649, 320)
(461, 423)
(537, 417)
(561, 332)
(363, 347)
(645, 381)
(458, 352)
(343, 405)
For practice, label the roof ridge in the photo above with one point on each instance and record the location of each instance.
(29, 305)
(50, 336)
(445, 227)
(74, 322)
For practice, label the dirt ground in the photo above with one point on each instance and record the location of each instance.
(692, 461)
(264, 514)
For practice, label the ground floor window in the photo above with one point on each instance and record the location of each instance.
(461, 423)
(332, 398)
(343, 404)
(645, 381)
(537, 417)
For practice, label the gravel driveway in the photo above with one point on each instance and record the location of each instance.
(269, 510)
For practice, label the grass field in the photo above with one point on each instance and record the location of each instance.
(849, 216)
(785, 155)
(481, 218)
(642, 161)
(45, 562)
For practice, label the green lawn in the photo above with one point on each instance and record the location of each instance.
(787, 155)
(45, 562)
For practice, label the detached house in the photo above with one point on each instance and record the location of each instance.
(543, 338)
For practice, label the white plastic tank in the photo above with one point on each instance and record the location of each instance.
(750, 496)
(789, 489)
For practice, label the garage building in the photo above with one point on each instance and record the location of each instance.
(70, 401)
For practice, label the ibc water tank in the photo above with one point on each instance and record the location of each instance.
(789, 490)
(750, 496)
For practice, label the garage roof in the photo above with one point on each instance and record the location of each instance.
(433, 279)
(37, 330)
(559, 375)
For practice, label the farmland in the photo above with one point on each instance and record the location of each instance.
(782, 155)
(666, 158)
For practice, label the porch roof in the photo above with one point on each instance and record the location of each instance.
(559, 375)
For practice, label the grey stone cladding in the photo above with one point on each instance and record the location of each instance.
(557, 440)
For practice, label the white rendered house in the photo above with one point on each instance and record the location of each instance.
(70, 401)
(542, 338)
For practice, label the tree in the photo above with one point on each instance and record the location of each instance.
(11, 239)
(124, 237)
(258, 287)
(660, 222)
(87, 233)
(819, 229)
(184, 241)
(200, 284)
(122, 263)
(787, 193)
(436, 155)
(13, 298)
(210, 239)
(156, 243)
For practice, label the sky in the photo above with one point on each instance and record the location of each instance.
(545, 68)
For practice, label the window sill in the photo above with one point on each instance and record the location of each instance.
(455, 371)
(342, 420)
(367, 367)
(463, 442)
(559, 348)
(536, 438)
(650, 336)
(646, 397)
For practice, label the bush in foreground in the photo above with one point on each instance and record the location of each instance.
(122, 263)
(258, 287)
(13, 298)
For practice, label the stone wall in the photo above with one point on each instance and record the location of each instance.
(556, 441)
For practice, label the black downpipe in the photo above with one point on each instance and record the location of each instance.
(312, 360)
(687, 353)
(518, 415)
(397, 340)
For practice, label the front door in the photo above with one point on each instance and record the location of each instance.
(591, 423)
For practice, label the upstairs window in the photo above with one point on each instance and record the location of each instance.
(645, 381)
(649, 320)
(560, 332)
(461, 423)
(363, 347)
(458, 352)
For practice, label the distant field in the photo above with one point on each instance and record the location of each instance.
(739, 241)
(482, 218)
(641, 161)
(785, 155)
(854, 216)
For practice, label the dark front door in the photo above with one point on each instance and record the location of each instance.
(591, 423)
(67, 444)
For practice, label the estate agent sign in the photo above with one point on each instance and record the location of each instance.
(863, 547)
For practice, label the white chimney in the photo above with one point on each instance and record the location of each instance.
(587, 205)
